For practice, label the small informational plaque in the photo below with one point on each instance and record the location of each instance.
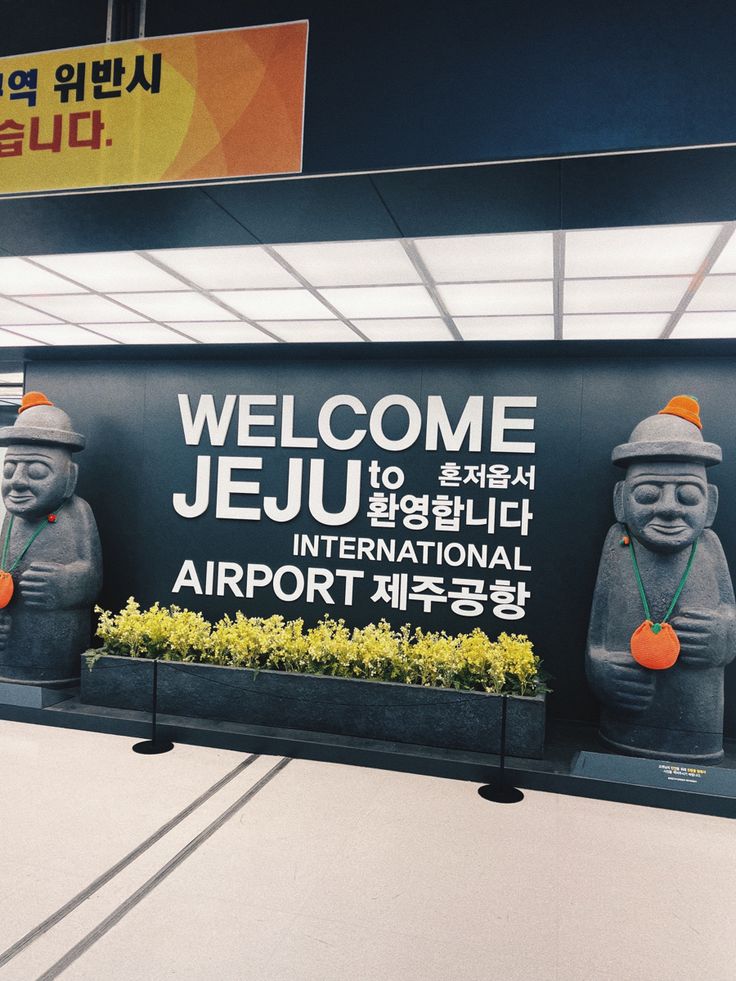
(695, 778)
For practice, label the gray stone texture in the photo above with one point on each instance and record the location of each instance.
(47, 623)
(352, 707)
(34, 696)
(666, 503)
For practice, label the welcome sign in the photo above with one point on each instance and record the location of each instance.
(439, 536)
(190, 107)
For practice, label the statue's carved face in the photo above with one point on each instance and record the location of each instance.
(36, 479)
(666, 504)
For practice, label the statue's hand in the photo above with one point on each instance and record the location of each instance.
(619, 681)
(633, 686)
(5, 624)
(42, 584)
(699, 634)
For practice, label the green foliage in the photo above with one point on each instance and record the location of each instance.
(169, 633)
(467, 661)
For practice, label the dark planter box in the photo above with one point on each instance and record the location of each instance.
(440, 717)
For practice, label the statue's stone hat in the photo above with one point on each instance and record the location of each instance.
(672, 434)
(40, 421)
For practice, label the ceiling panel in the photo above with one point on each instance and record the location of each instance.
(351, 263)
(18, 313)
(10, 339)
(616, 326)
(482, 299)
(110, 272)
(235, 267)
(381, 301)
(306, 331)
(141, 333)
(223, 333)
(624, 295)
(172, 306)
(83, 308)
(482, 258)
(20, 277)
(410, 329)
(275, 304)
(60, 334)
(726, 262)
(654, 251)
(506, 328)
(706, 325)
(715, 293)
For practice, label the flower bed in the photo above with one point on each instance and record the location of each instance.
(374, 682)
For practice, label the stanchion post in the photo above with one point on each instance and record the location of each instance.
(153, 746)
(499, 791)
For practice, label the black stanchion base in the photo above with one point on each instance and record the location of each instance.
(501, 794)
(151, 748)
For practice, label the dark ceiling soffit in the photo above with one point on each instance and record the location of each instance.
(685, 349)
(630, 189)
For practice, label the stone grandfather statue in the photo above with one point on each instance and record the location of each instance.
(663, 622)
(51, 560)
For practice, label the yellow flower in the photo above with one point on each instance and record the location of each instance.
(469, 661)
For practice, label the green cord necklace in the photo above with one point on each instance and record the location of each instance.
(7, 587)
(656, 645)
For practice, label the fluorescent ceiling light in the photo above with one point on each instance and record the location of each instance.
(616, 326)
(110, 272)
(17, 313)
(276, 304)
(411, 329)
(619, 283)
(64, 334)
(300, 331)
(140, 333)
(480, 258)
(726, 261)
(659, 251)
(19, 278)
(232, 267)
(381, 301)
(478, 299)
(171, 306)
(12, 377)
(715, 293)
(9, 339)
(706, 325)
(82, 307)
(351, 263)
(624, 295)
(220, 333)
(506, 328)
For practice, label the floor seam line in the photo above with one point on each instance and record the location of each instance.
(105, 925)
(102, 880)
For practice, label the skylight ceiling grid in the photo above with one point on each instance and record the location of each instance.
(605, 283)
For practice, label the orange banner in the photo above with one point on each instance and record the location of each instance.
(192, 107)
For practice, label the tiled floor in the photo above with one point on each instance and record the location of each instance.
(336, 873)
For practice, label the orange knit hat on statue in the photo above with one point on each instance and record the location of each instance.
(31, 399)
(684, 406)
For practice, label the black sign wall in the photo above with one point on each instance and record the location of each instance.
(449, 493)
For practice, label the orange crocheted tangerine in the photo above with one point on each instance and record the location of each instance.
(657, 651)
(32, 399)
(6, 589)
(684, 406)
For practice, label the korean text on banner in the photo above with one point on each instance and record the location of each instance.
(191, 107)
